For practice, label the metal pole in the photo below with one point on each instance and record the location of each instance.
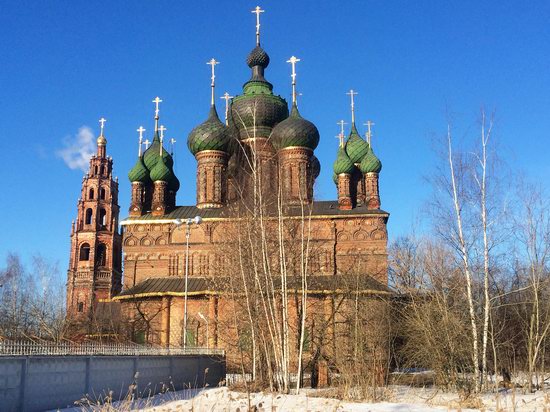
(187, 235)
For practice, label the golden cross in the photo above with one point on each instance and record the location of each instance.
(293, 60)
(212, 63)
(102, 123)
(340, 138)
(369, 132)
(352, 93)
(257, 12)
(226, 97)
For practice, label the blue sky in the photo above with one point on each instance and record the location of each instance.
(66, 64)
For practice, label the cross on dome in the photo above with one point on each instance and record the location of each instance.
(352, 93)
(102, 125)
(213, 62)
(172, 142)
(293, 60)
(162, 129)
(340, 138)
(369, 124)
(157, 101)
(257, 12)
(226, 97)
(341, 123)
(140, 131)
(146, 143)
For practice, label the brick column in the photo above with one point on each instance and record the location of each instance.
(344, 192)
(213, 321)
(160, 198)
(165, 320)
(211, 178)
(371, 186)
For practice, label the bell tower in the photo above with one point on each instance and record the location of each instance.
(96, 245)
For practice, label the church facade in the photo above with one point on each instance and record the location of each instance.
(191, 283)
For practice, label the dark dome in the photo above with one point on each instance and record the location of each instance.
(209, 135)
(315, 167)
(295, 131)
(257, 108)
(257, 57)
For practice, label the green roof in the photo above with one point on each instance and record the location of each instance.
(370, 163)
(343, 163)
(356, 147)
(209, 135)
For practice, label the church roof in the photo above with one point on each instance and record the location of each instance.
(320, 208)
(321, 284)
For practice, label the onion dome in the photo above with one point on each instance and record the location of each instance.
(356, 147)
(315, 166)
(174, 183)
(343, 163)
(258, 107)
(152, 154)
(161, 172)
(210, 135)
(101, 141)
(295, 131)
(370, 163)
(257, 57)
(139, 172)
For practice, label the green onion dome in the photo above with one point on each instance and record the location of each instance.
(161, 172)
(173, 183)
(151, 155)
(209, 135)
(356, 147)
(343, 163)
(257, 107)
(295, 131)
(315, 166)
(139, 172)
(370, 163)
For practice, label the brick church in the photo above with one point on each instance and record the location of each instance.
(256, 232)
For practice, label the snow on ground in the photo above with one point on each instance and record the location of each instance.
(398, 399)
(402, 399)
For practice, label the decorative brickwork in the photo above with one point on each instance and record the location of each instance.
(344, 192)
(96, 245)
(295, 173)
(211, 178)
(372, 194)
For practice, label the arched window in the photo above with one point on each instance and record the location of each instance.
(101, 170)
(102, 217)
(88, 220)
(91, 196)
(80, 307)
(84, 252)
(102, 193)
(101, 255)
(95, 169)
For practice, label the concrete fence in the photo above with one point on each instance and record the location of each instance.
(38, 383)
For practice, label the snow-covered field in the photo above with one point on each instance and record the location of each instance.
(399, 398)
